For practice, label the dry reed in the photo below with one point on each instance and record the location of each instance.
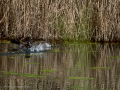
(106, 20)
(60, 19)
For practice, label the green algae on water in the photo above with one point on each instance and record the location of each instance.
(83, 78)
(116, 57)
(113, 57)
(105, 89)
(5, 42)
(68, 51)
(23, 65)
(79, 87)
(100, 67)
(1, 76)
(48, 71)
(56, 51)
(23, 74)
(11, 57)
(32, 63)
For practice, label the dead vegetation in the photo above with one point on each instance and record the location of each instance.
(106, 21)
(60, 19)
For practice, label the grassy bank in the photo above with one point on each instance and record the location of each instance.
(60, 19)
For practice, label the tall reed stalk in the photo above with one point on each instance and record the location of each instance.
(106, 20)
(60, 19)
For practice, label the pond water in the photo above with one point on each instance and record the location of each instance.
(70, 66)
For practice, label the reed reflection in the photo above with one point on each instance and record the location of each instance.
(83, 66)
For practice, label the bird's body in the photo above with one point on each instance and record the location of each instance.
(26, 44)
(16, 41)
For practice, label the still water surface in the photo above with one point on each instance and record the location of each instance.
(71, 66)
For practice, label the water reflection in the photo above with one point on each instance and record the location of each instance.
(76, 66)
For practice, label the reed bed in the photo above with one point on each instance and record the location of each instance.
(106, 21)
(60, 19)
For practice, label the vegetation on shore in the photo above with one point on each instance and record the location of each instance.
(96, 20)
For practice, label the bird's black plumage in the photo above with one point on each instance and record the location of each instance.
(16, 41)
(27, 43)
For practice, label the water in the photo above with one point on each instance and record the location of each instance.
(71, 66)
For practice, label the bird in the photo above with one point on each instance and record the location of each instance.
(15, 41)
(26, 44)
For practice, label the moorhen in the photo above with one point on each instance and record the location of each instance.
(27, 43)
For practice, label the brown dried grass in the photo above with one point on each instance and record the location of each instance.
(63, 19)
(106, 20)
